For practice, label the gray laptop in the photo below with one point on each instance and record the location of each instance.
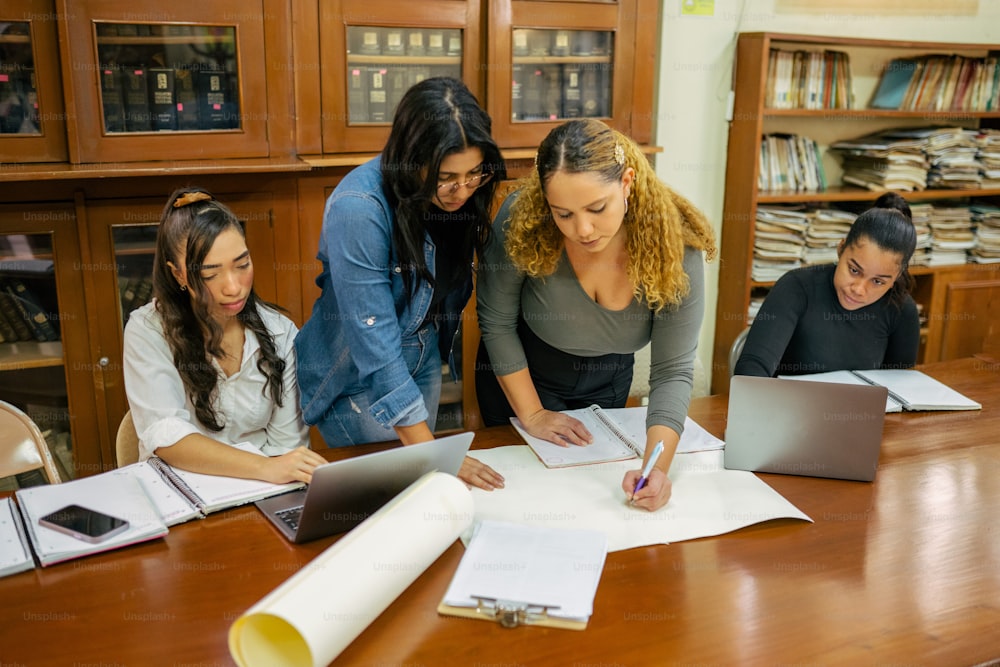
(816, 429)
(345, 493)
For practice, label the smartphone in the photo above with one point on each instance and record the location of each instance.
(84, 523)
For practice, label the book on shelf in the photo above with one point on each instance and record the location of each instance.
(114, 494)
(553, 585)
(619, 434)
(15, 552)
(136, 94)
(909, 390)
(13, 316)
(112, 99)
(894, 83)
(378, 108)
(357, 94)
(186, 98)
(30, 310)
(180, 495)
(216, 109)
(162, 104)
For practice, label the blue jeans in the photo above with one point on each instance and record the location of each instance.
(349, 420)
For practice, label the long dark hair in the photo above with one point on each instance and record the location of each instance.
(191, 221)
(889, 225)
(436, 117)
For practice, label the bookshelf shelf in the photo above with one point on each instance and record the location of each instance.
(30, 354)
(943, 291)
(404, 60)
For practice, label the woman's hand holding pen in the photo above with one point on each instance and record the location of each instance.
(480, 475)
(653, 495)
(557, 427)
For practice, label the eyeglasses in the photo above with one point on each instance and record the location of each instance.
(473, 183)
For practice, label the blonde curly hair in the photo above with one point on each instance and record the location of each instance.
(659, 223)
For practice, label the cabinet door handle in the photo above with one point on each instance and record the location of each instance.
(103, 362)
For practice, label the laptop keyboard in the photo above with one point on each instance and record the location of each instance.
(291, 516)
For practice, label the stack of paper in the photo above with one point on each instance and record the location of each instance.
(952, 234)
(988, 142)
(987, 219)
(878, 162)
(952, 153)
(921, 223)
(15, 554)
(828, 228)
(779, 235)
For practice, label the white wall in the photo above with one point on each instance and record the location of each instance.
(694, 80)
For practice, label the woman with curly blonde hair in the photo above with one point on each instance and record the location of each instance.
(592, 258)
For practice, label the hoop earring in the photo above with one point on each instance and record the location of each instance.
(184, 288)
(626, 207)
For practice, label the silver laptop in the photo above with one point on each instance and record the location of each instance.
(345, 493)
(815, 429)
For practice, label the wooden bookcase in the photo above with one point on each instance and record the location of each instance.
(937, 288)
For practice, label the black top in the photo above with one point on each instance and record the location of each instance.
(802, 328)
(451, 267)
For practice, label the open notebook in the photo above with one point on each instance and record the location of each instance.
(909, 389)
(181, 495)
(619, 435)
(15, 554)
(115, 494)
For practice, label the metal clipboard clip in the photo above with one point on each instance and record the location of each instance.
(510, 613)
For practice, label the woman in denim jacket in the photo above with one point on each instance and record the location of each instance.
(399, 235)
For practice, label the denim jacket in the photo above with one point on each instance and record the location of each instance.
(353, 340)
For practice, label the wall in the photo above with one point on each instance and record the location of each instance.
(694, 80)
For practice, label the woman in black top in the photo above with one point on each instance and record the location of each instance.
(853, 315)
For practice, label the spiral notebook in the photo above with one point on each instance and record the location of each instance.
(611, 441)
(618, 436)
(181, 495)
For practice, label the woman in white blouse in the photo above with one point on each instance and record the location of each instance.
(209, 366)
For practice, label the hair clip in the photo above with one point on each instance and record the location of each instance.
(190, 198)
(536, 160)
(619, 154)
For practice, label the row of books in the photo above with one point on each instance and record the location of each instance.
(18, 99)
(133, 293)
(159, 30)
(939, 83)
(808, 80)
(157, 99)
(398, 41)
(790, 162)
(569, 90)
(374, 91)
(22, 315)
(924, 157)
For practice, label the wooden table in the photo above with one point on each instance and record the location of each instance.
(905, 570)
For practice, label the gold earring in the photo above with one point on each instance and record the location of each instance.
(184, 288)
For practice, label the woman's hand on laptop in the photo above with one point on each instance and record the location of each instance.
(295, 466)
(653, 495)
(478, 474)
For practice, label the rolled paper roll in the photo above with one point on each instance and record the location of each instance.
(312, 617)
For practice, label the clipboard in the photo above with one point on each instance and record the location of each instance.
(511, 614)
(516, 574)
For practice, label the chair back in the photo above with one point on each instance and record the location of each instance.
(22, 445)
(126, 442)
(737, 349)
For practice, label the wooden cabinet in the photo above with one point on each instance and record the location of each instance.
(32, 118)
(752, 118)
(551, 61)
(45, 365)
(178, 82)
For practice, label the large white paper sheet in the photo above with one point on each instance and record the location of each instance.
(706, 500)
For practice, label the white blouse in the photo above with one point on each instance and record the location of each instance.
(163, 414)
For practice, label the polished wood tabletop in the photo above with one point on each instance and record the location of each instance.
(904, 570)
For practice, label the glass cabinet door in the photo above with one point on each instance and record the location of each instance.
(556, 61)
(32, 122)
(182, 82)
(44, 370)
(369, 58)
